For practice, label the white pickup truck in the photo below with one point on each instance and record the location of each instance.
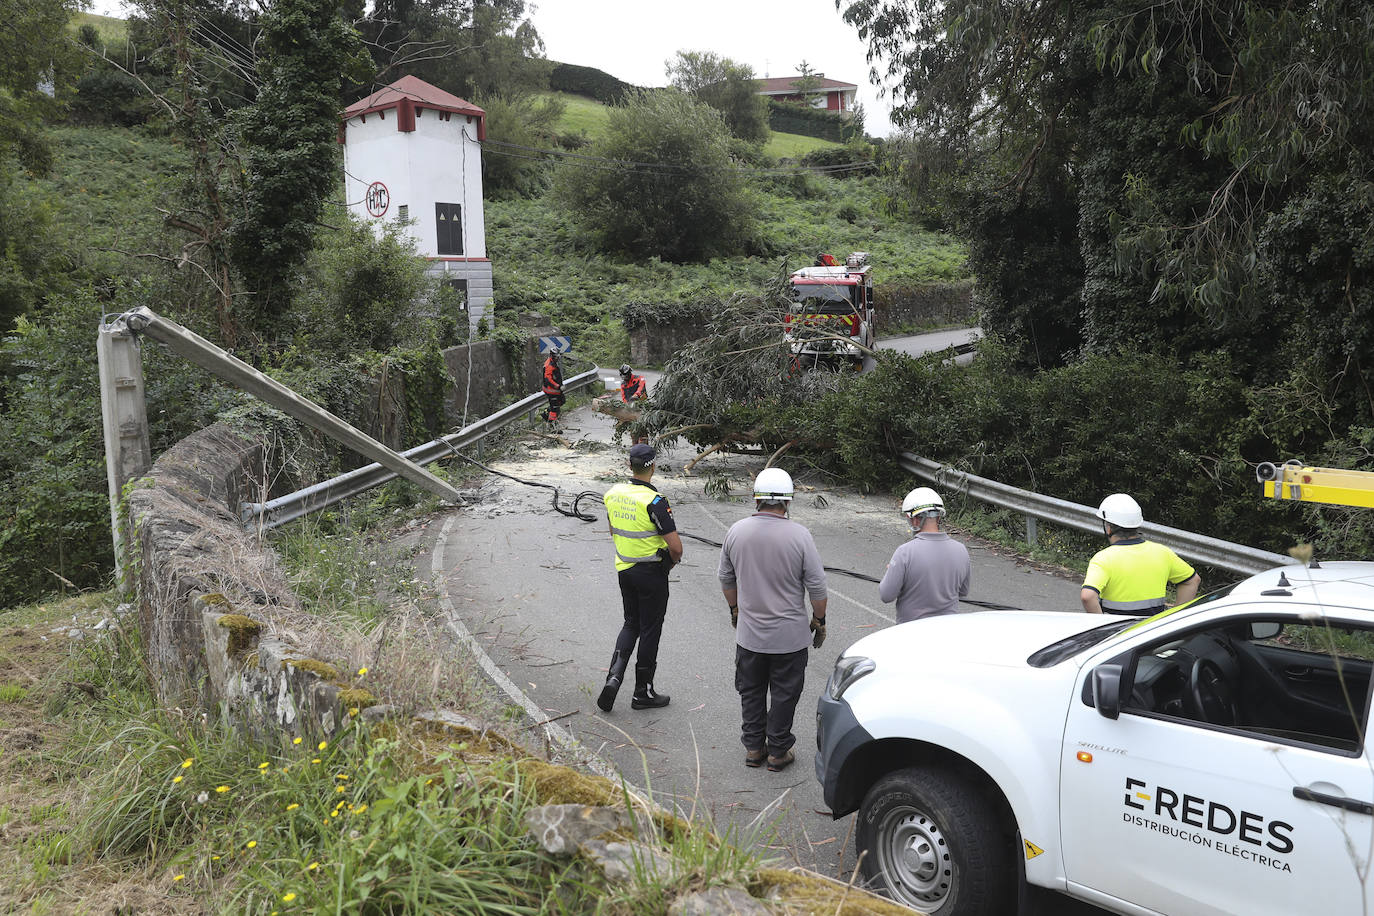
(1209, 760)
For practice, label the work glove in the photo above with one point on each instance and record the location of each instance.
(734, 616)
(818, 631)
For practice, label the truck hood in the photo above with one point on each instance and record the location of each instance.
(998, 638)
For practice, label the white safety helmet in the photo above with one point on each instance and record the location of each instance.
(1121, 510)
(773, 485)
(921, 501)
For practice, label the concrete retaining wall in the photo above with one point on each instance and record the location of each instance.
(492, 381)
(915, 304)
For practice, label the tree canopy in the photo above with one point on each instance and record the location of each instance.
(725, 85)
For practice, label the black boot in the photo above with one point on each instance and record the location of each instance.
(614, 675)
(645, 697)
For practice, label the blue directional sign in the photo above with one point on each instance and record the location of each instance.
(554, 344)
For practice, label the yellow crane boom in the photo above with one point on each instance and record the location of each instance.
(1299, 483)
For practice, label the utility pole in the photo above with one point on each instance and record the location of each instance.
(128, 454)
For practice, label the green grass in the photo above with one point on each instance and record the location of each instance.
(792, 146)
(112, 31)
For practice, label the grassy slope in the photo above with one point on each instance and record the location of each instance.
(111, 30)
(587, 117)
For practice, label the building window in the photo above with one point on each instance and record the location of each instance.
(449, 220)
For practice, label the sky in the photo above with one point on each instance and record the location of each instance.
(633, 39)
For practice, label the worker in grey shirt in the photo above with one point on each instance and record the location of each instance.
(769, 566)
(929, 573)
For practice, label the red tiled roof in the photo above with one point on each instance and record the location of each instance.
(784, 84)
(418, 91)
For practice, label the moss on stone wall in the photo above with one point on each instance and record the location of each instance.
(243, 632)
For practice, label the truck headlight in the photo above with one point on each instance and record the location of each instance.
(848, 669)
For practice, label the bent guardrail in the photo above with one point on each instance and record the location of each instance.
(1191, 546)
(296, 505)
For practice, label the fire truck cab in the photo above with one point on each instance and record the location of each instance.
(831, 315)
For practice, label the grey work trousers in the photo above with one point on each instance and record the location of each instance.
(757, 674)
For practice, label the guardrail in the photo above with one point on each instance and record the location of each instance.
(1194, 547)
(296, 505)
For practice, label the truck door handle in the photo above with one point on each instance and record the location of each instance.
(1335, 801)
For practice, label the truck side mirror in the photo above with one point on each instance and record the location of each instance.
(1107, 690)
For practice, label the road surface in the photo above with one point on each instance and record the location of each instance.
(538, 592)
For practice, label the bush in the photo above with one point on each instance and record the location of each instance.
(683, 201)
(589, 81)
(523, 121)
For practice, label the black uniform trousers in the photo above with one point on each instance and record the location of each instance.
(644, 593)
(757, 675)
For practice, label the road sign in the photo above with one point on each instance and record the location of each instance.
(554, 345)
(378, 199)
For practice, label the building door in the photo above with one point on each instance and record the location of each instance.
(448, 218)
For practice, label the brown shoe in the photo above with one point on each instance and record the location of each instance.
(754, 758)
(781, 763)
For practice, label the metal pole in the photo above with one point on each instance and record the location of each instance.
(202, 353)
(128, 454)
(1031, 531)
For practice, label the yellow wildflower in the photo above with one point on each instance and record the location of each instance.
(178, 877)
(264, 765)
(322, 745)
(288, 897)
(340, 775)
(334, 813)
(338, 788)
(296, 741)
(353, 711)
(252, 843)
(186, 764)
(316, 760)
(176, 779)
(292, 807)
(360, 809)
(362, 671)
(221, 789)
(312, 866)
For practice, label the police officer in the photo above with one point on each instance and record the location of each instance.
(553, 387)
(647, 545)
(769, 567)
(1131, 574)
(929, 573)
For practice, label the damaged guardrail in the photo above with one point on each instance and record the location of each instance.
(296, 505)
(1199, 548)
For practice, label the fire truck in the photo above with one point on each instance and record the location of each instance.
(830, 319)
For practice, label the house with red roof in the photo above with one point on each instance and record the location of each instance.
(831, 95)
(413, 152)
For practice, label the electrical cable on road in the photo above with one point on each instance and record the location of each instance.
(587, 517)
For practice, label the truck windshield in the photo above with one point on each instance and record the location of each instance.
(822, 299)
(1070, 646)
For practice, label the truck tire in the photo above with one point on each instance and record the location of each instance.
(929, 838)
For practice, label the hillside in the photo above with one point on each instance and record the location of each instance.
(587, 117)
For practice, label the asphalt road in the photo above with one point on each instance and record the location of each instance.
(537, 591)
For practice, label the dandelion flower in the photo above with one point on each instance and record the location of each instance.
(176, 779)
(340, 775)
(338, 788)
(214, 858)
(339, 805)
(186, 764)
(312, 866)
(287, 898)
(353, 711)
(178, 877)
(264, 765)
(334, 813)
(296, 741)
(252, 843)
(362, 671)
(221, 789)
(293, 806)
(322, 745)
(316, 760)
(360, 809)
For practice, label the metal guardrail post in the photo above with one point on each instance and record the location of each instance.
(201, 352)
(296, 505)
(124, 417)
(1198, 548)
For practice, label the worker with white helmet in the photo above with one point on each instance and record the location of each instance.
(929, 573)
(769, 568)
(1131, 575)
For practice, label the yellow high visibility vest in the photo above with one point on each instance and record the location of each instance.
(1130, 576)
(636, 538)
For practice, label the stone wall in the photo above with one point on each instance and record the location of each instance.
(916, 304)
(492, 381)
(655, 343)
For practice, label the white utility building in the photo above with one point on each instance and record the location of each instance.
(413, 152)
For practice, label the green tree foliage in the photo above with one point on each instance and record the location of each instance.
(526, 121)
(672, 192)
(468, 47)
(725, 85)
(291, 134)
(35, 52)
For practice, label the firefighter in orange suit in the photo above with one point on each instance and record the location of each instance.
(553, 387)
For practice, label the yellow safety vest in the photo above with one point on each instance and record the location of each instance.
(1130, 576)
(636, 538)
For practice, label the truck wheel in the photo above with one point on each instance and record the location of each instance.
(929, 838)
